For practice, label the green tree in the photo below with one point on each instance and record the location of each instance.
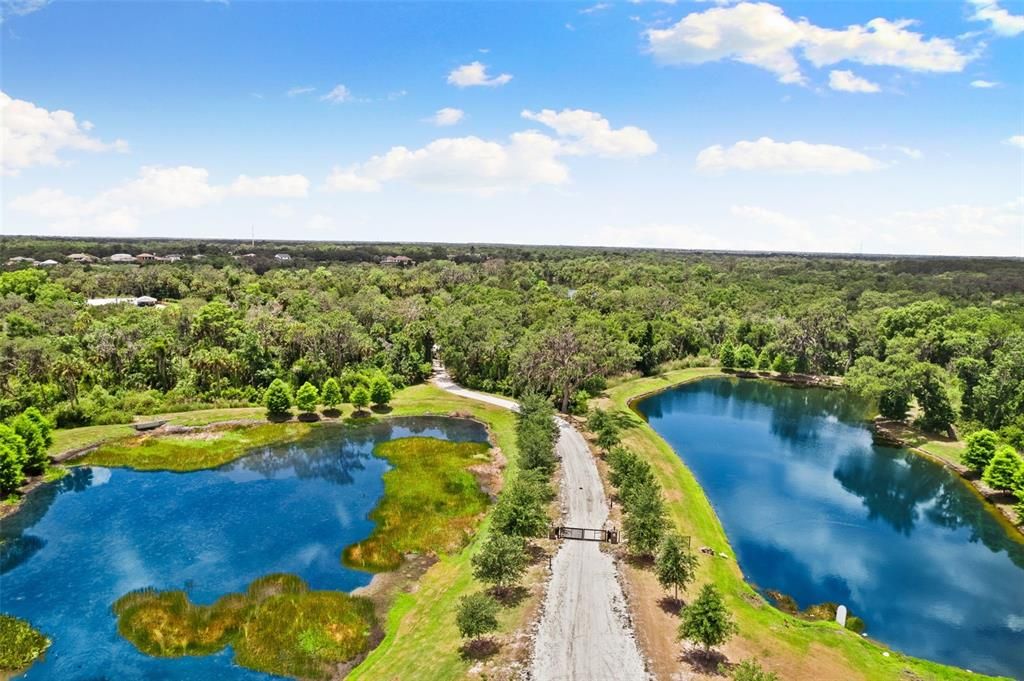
(330, 394)
(278, 398)
(727, 355)
(307, 397)
(12, 460)
(783, 364)
(501, 560)
(35, 444)
(608, 435)
(522, 509)
(893, 403)
(981, 447)
(44, 424)
(751, 670)
(746, 357)
(933, 396)
(707, 620)
(477, 615)
(645, 520)
(381, 391)
(675, 565)
(360, 398)
(1002, 471)
(764, 360)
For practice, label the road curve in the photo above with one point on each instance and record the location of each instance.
(584, 632)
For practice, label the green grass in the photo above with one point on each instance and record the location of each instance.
(193, 451)
(771, 630)
(277, 626)
(431, 502)
(67, 439)
(20, 644)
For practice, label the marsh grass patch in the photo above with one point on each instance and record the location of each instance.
(276, 626)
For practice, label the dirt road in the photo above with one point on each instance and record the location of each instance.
(584, 633)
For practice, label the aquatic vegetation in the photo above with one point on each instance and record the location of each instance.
(431, 501)
(20, 644)
(277, 626)
(192, 451)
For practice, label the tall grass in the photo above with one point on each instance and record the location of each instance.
(431, 504)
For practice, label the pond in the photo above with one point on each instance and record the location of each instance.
(79, 544)
(813, 509)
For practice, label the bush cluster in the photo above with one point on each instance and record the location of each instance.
(24, 441)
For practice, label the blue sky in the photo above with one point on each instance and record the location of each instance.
(813, 126)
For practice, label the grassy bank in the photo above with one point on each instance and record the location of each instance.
(432, 502)
(192, 451)
(795, 647)
(277, 626)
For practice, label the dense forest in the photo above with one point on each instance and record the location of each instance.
(939, 340)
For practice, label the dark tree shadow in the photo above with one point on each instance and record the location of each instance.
(671, 605)
(332, 413)
(509, 596)
(279, 418)
(536, 553)
(309, 417)
(479, 649)
(644, 562)
(382, 409)
(710, 662)
(360, 415)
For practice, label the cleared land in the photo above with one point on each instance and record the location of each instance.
(797, 649)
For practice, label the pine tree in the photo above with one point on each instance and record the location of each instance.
(360, 398)
(278, 398)
(381, 391)
(727, 355)
(981, 447)
(330, 394)
(307, 397)
(1002, 471)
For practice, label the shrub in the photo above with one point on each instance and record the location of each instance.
(278, 398)
(381, 391)
(360, 398)
(1003, 470)
(35, 444)
(44, 424)
(330, 394)
(981, 447)
(783, 364)
(11, 467)
(727, 355)
(307, 397)
(751, 670)
(745, 357)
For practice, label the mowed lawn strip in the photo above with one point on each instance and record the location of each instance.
(780, 636)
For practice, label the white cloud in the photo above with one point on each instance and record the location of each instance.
(593, 134)
(847, 81)
(661, 235)
(156, 189)
(788, 157)
(475, 74)
(30, 135)
(484, 167)
(467, 164)
(1000, 20)
(447, 116)
(300, 90)
(20, 7)
(594, 9)
(1016, 141)
(760, 34)
(948, 229)
(338, 94)
(984, 84)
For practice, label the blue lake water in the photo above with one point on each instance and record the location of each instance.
(815, 510)
(81, 543)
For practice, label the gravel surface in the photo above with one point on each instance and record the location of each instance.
(584, 633)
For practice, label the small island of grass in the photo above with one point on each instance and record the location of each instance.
(277, 626)
(20, 644)
(431, 502)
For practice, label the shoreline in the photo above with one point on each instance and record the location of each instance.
(685, 499)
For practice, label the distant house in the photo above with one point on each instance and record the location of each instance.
(399, 260)
(82, 258)
(282, 257)
(145, 301)
(146, 257)
(47, 263)
(173, 257)
(122, 257)
(20, 259)
(246, 255)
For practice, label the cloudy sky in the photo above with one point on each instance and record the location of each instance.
(807, 126)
